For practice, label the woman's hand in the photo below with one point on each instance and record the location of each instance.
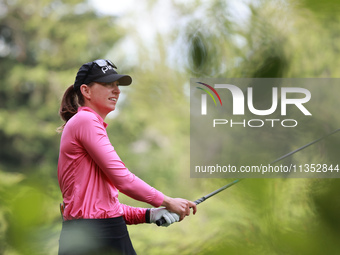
(179, 206)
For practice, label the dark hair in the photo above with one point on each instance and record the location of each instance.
(70, 102)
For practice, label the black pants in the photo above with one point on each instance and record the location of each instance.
(95, 236)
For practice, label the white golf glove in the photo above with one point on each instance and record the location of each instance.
(158, 213)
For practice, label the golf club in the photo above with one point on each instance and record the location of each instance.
(202, 199)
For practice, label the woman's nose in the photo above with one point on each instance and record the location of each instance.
(116, 89)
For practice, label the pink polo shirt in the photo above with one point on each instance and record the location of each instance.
(90, 173)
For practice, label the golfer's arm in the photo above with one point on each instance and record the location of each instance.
(95, 141)
(166, 201)
(133, 215)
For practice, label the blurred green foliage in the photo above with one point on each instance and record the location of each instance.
(44, 42)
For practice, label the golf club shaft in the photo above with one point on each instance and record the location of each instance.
(305, 146)
(202, 199)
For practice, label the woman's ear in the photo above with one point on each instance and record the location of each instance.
(85, 90)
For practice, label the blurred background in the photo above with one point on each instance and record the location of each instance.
(162, 44)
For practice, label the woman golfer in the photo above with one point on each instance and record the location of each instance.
(90, 172)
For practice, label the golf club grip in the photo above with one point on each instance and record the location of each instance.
(160, 222)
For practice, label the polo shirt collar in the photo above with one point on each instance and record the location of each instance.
(88, 109)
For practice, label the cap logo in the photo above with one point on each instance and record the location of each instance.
(106, 68)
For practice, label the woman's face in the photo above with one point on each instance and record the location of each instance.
(102, 97)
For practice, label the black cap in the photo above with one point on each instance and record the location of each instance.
(100, 70)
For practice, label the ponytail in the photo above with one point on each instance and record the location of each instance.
(69, 105)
